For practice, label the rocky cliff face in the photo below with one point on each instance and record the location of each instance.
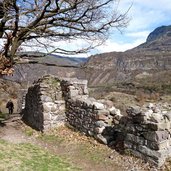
(150, 57)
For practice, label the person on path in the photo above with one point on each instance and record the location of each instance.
(10, 106)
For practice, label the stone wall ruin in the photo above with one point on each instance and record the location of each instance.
(44, 104)
(145, 131)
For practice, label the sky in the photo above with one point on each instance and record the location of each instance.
(145, 16)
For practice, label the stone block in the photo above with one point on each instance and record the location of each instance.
(114, 111)
(90, 133)
(74, 93)
(85, 89)
(47, 106)
(46, 98)
(133, 110)
(103, 112)
(46, 116)
(152, 153)
(103, 139)
(136, 154)
(164, 126)
(100, 124)
(151, 126)
(101, 117)
(156, 117)
(157, 136)
(128, 145)
(54, 108)
(118, 117)
(130, 128)
(62, 107)
(158, 145)
(168, 115)
(115, 122)
(135, 139)
(107, 103)
(138, 118)
(98, 106)
(99, 130)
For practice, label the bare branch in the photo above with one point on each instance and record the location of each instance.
(57, 20)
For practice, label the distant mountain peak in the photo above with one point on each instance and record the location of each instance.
(160, 32)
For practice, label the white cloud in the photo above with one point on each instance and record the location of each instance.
(142, 34)
(145, 17)
(111, 46)
(147, 14)
(51, 46)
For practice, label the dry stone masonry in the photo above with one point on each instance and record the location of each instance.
(88, 115)
(145, 131)
(44, 107)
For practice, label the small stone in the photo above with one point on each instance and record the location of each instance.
(100, 124)
(111, 157)
(103, 112)
(99, 130)
(150, 105)
(156, 117)
(101, 139)
(107, 103)
(46, 98)
(98, 106)
(133, 110)
(90, 133)
(74, 93)
(114, 111)
(101, 117)
(168, 115)
(54, 108)
(47, 106)
(148, 113)
(164, 112)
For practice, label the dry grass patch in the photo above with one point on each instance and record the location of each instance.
(25, 157)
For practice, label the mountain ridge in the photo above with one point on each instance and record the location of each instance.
(152, 56)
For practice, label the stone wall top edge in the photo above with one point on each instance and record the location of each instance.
(69, 80)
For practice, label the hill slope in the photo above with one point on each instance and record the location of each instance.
(150, 60)
(153, 56)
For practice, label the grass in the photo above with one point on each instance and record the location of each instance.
(95, 154)
(51, 138)
(82, 145)
(23, 157)
(3, 116)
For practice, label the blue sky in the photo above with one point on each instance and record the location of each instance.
(145, 16)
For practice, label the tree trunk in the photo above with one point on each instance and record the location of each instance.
(14, 47)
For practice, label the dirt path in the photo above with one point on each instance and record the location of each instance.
(11, 130)
(78, 149)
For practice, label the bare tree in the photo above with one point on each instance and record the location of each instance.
(38, 20)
